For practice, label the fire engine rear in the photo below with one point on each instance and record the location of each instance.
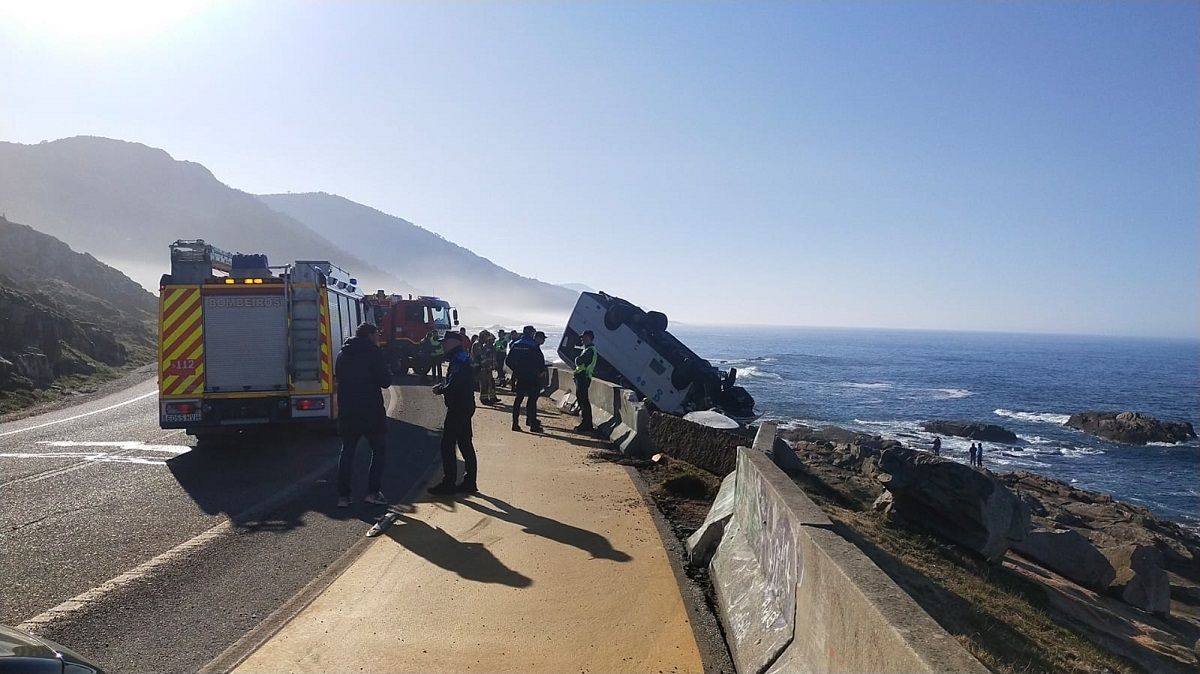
(244, 344)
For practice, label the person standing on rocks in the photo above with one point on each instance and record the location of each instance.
(937, 445)
(585, 367)
(361, 375)
(458, 392)
(527, 362)
(974, 455)
(979, 456)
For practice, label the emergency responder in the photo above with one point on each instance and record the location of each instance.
(458, 392)
(436, 355)
(502, 342)
(485, 357)
(585, 368)
(526, 361)
(361, 376)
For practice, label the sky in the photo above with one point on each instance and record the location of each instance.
(1016, 166)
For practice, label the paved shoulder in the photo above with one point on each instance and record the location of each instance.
(555, 566)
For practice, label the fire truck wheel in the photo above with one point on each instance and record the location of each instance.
(656, 321)
(617, 315)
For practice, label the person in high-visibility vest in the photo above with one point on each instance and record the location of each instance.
(585, 367)
(502, 341)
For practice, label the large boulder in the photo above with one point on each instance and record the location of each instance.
(1140, 580)
(1070, 554)
(963, 505)
(971, 429)
(1131, 428)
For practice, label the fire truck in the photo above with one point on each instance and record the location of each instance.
(404, 323)
(244, 344)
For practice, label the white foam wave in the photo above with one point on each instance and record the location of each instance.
(874, 386)
(752, 372)
(952, 393)
(1034, 417)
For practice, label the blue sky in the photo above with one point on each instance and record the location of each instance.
(950, 165)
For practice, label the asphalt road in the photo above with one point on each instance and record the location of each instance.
(92, 492)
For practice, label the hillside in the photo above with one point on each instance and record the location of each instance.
(64, 316)
(423, 258)
(126, 202)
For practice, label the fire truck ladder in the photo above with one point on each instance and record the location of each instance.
(304, 305)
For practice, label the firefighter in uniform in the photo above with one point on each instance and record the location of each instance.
(501, 353)
(485, 359)
(585, 367)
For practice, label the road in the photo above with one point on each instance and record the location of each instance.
(216, 537)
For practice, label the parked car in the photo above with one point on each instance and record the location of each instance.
(23, 653)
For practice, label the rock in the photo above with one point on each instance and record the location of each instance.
(972, 430)
(963, 505)
(712, 420)
(1068, 553)
(1131, 427)
(1141, 581)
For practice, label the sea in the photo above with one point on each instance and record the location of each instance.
(888, 382)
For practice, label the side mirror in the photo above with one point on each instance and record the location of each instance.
(455, 312)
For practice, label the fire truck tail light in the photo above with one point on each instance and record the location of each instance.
(309, 404)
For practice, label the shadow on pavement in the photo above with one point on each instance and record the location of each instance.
(235, 477)
(589, 541)
(472, 561)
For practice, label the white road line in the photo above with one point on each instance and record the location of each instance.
(80, 416)
(193, 545)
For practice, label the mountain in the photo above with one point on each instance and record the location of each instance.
(126, 202)
(425, 259)
(65, 313)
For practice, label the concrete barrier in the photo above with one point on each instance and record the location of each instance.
(616, 412)
(794, 596)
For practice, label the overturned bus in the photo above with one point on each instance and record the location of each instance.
(636, 351)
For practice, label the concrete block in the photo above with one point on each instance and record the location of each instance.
(757, 627)
(851, 617)
(703, 542)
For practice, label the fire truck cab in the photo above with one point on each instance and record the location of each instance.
(404, 323)
(245, 344)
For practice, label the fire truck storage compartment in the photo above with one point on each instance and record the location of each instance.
(245, 341)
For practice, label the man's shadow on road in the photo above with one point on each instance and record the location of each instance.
(589, 541)
(472, 561)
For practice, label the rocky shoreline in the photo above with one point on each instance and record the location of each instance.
(1120, 578)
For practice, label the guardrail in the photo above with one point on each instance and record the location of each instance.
(616, 413)
(795, 596)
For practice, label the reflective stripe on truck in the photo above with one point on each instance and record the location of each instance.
(180, 341)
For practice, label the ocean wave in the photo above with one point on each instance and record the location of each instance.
(1034, 417)
(752, 372)
(951, 393)
(879, 386)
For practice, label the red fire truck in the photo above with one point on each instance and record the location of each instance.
(404, 323)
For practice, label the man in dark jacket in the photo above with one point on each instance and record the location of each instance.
(459, 395)
(527, 363)
(361, 376)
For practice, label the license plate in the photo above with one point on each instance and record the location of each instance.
(181, 417)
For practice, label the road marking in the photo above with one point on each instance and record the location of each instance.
(128, 445)
(190, 546)
(95, 457)
(80, 416)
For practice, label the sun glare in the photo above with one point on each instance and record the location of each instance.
(96, 20)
